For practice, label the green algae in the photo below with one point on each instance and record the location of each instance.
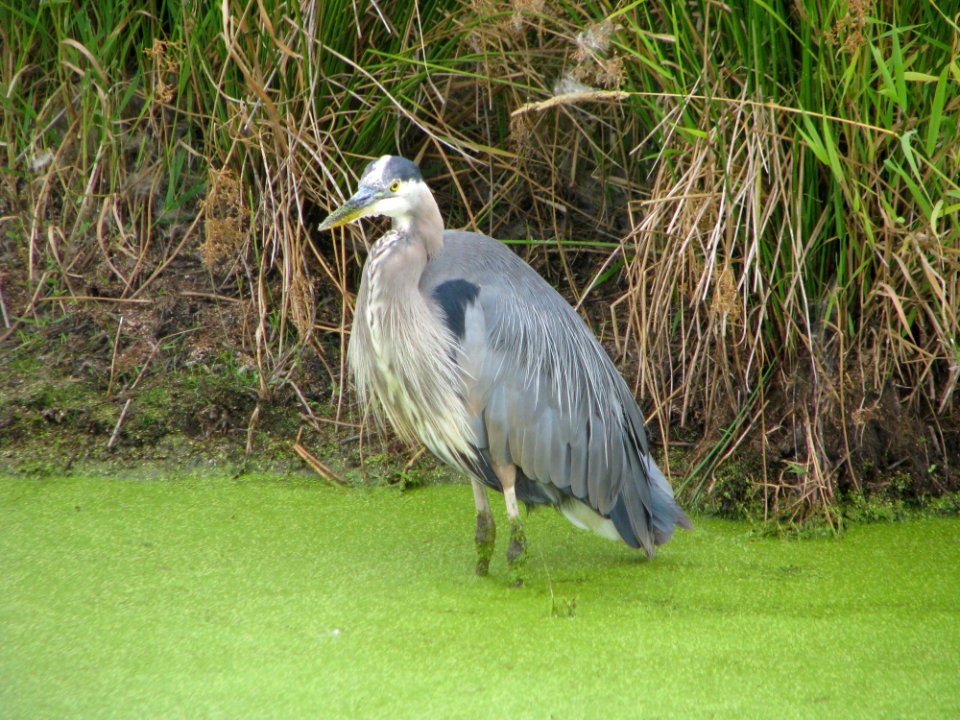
(273, 596)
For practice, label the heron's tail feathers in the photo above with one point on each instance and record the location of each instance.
(664, 510)
(637, 523)
(586, 518)
(645, 512)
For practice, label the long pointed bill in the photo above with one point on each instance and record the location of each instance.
(353, 209)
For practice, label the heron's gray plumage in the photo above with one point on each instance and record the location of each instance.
(543, 395)
(466, 348)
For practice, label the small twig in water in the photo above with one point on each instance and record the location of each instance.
(320, 468)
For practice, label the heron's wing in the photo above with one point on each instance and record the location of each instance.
(544, 396)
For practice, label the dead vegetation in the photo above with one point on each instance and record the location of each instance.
(774, 261)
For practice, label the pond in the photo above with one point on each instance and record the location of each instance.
(277, 596)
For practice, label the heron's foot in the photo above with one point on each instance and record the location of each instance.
(486, 534)
(517, 553)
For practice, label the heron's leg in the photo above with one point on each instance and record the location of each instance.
(517, 550)
(486, 530)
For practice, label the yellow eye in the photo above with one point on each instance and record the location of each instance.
(394, 186)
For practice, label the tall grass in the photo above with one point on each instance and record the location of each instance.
(756, 204)
(777, 184)
(805, 215)
(141, 137)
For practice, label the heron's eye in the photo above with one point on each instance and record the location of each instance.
(394, 186)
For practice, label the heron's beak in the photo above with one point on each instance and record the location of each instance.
(353, 209)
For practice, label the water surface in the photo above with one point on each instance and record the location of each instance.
(275, 596)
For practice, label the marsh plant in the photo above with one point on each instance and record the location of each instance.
(755, 204)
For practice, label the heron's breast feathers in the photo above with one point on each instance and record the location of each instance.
(403, 357)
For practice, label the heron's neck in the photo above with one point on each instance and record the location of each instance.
(426, 224)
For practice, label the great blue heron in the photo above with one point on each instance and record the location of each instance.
(466, 348)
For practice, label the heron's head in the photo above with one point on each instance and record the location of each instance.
(390, 186)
